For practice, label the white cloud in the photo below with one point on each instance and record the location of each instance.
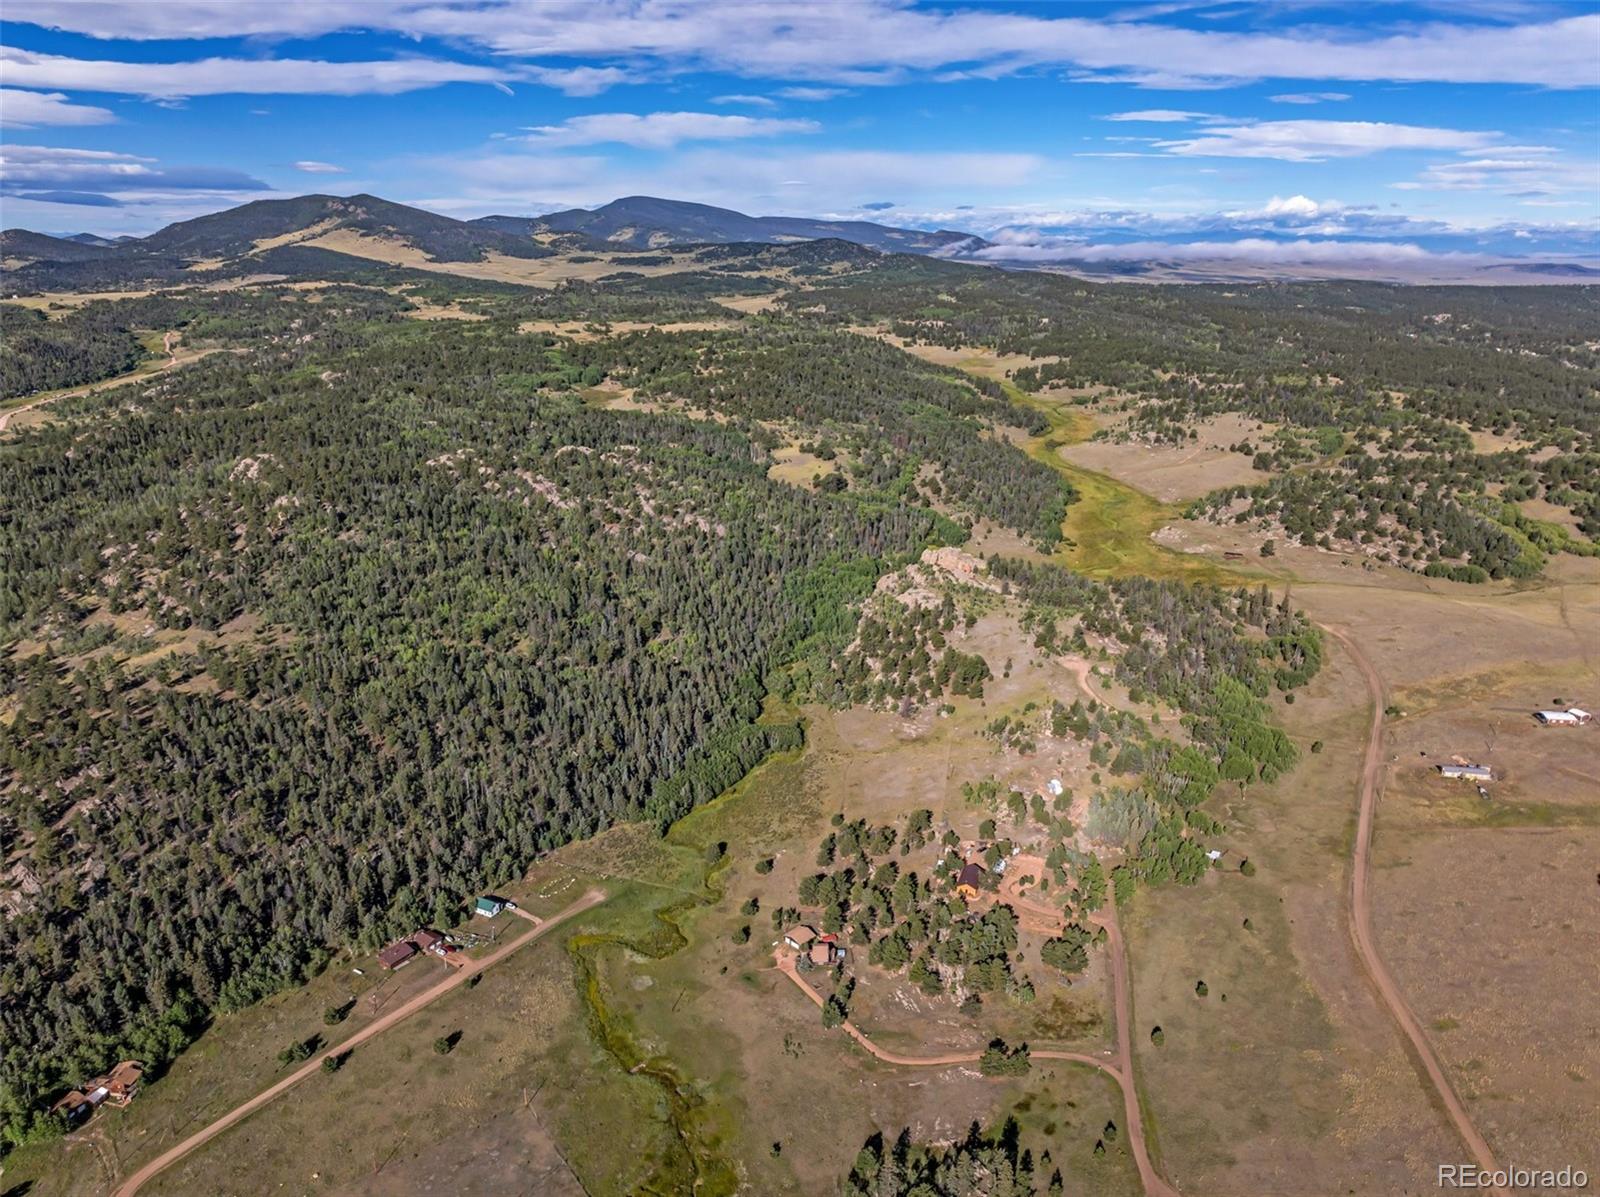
(1296, 206)
(811, 93)
(229, 76)
(1175, 116)
(1315, 141)
(36, 167)
(318, 168)
(576, 81)
(1302, 252)
(1509, 172)
(874, 41)
(753, 101)
(1310, 97)
(756, 181)
(663, 130)
(179, 19)
(28, 109)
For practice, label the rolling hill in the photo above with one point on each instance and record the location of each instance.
(252, 237)
(22, 245)
(646, 222)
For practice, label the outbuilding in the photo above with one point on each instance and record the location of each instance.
(799, 937)
(1467, 772)
(1571, 717)
(489, 906)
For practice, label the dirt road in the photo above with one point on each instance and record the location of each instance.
(458, 978)
(1154, 1186)
(1122, 992)
(1361, 916)
(1079, 668)
(169, 346)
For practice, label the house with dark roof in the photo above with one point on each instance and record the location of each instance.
(397, 954)
(970, 880)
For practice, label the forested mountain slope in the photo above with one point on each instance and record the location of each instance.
(306, 641)
(645, 221)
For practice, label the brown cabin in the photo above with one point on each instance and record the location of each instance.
(397, 953)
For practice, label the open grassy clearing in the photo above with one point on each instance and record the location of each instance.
(1297, 1083)
(1491, 932)
(794, 465)
(1174, 473)
(497, 267)
(1109, 528)
(1320, 1095)
(235, 1059)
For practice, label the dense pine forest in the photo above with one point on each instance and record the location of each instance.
(438, 615)
(360, 613)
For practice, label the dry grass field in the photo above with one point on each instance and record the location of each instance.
(793, 465)
(1479, 910)
(1175, 473)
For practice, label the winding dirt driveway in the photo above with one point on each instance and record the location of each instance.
(1121, 1071)
(169, 345)
(457, 978)
(1361, 917)
(1079, 667)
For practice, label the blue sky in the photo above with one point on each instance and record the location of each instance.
(1196, 128)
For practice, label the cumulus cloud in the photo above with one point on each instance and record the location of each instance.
(318, 168)
(29, 109)
(740, 98)
(662, 130)
(1316, 141)
(873, 41)
(1297, 206)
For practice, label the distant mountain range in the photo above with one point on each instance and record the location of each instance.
(300, 237)
(645, 222)
(637, 222)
